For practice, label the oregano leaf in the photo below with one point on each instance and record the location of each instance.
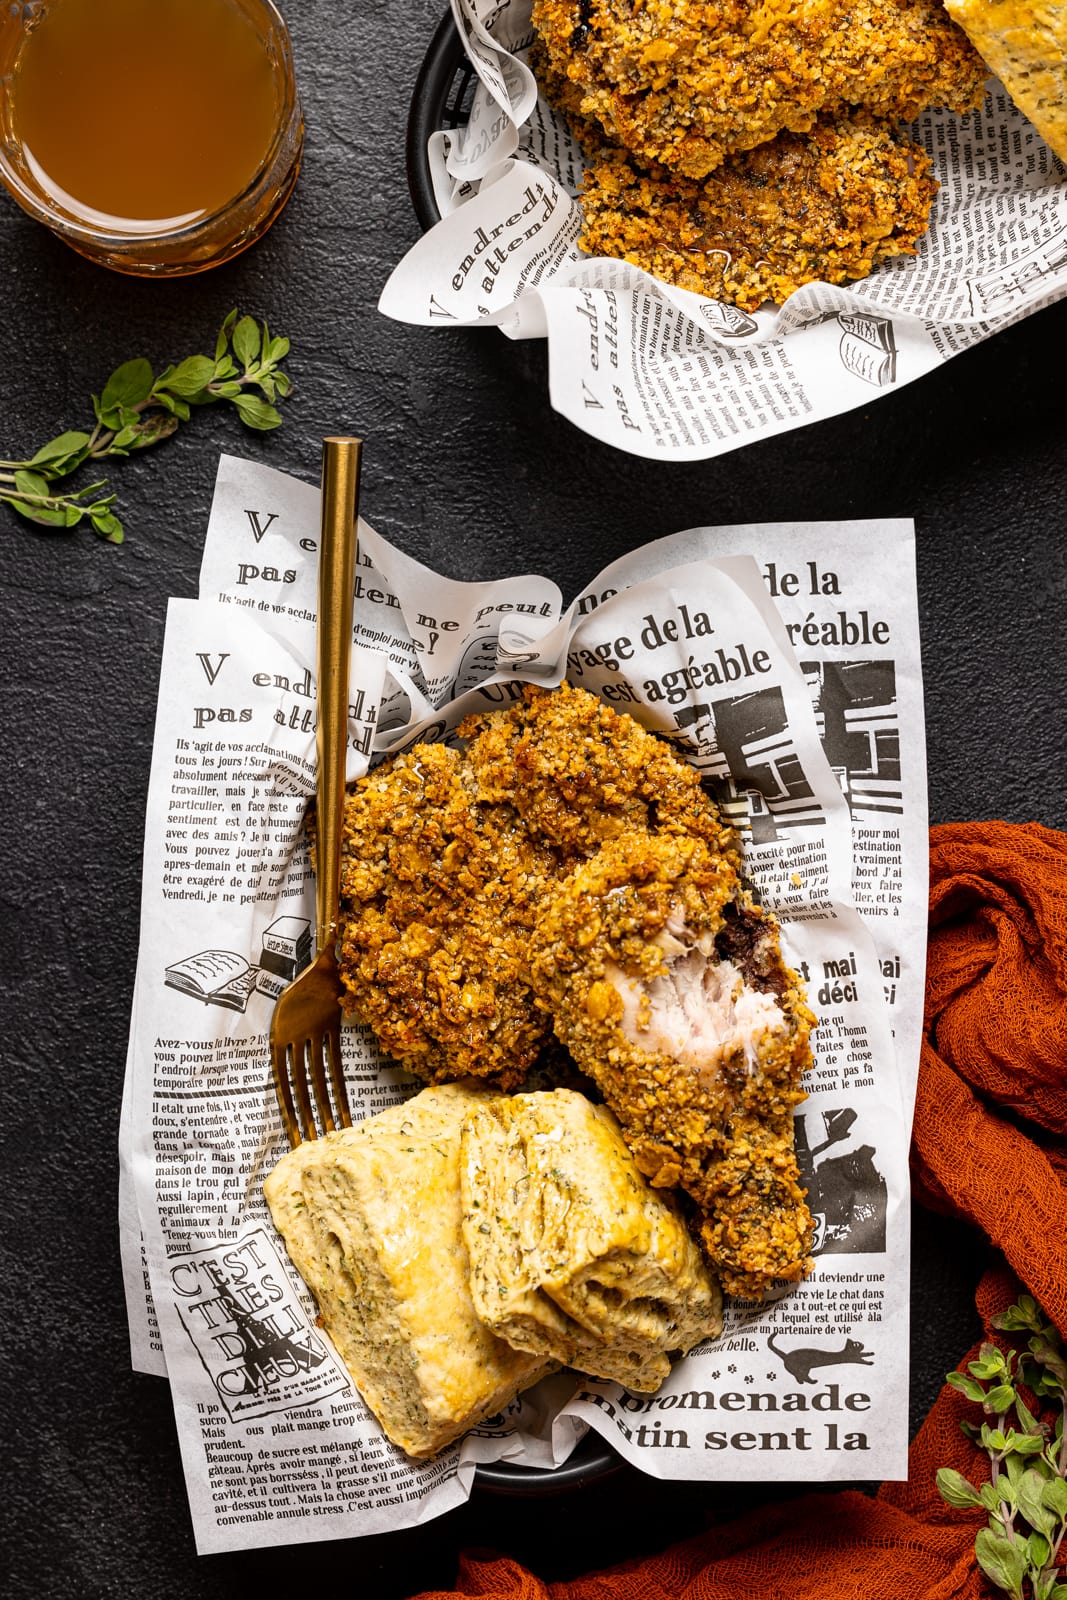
(107, 525)
(256, 413)
(246, 341)
(967, 1386)
(31, 483)
(999, 1399)
(1002, 1562)
(128, 385)
(990, 1497)
(956, 1490)
(60, 448)
(1029, 1498)
(194, 374)
(1054, 1496)
(224, 335)
(1038, 1549)
(49, 516)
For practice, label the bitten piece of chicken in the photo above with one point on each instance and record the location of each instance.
(666, 983)
(447, 856)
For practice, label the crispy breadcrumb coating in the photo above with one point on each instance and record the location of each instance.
(667, 985)
(824, 206)
(578, 772)
(438, 895)
(684, 83)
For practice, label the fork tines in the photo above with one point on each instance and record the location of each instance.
(317, 1058)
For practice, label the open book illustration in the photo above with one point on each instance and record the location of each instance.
(217, 977)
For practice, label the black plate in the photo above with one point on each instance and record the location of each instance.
(441, 99)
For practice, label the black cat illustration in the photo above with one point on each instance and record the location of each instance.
(799, 1363)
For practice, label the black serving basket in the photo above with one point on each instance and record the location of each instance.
(441, 99)
(590, 1462)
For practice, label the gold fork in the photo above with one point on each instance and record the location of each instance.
(306, 1030)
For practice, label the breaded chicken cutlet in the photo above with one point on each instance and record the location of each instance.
(666, 983)
(446, 858)
(825, 206)
(684, 84)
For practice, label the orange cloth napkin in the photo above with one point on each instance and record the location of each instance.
(990, 1145)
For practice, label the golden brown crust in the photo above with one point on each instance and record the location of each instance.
(825, 206)
(446, 858)
(578, 773)
(684, 83)
(438, 895)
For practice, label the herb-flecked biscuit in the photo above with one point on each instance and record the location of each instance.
(574, 1256)
(1024, 42)
(371, 1219)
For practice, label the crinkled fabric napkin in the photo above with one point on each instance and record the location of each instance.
(990, 1146)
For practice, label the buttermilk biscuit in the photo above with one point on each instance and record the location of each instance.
(574, 1257)
(1025, 43)
(371, 1220)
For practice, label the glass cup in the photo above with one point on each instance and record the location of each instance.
(152, 246)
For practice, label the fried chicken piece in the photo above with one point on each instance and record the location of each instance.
(666, 983)
(824, 206)
(438, 895)
(684, 83)
(578, 773)
(447, 857)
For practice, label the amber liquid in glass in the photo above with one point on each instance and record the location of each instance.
(143, 116)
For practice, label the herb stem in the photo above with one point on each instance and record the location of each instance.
(138, 409)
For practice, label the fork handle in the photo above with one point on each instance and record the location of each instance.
(337, 573)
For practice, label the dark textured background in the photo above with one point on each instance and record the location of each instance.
(468, 469)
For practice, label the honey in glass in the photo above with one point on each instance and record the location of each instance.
(157, 136)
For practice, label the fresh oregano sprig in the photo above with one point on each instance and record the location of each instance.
(138, 409)
(1026, 1497)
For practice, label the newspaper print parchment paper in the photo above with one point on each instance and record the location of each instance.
(783, 661)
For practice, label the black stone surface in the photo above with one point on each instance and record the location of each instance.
(468, 469)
